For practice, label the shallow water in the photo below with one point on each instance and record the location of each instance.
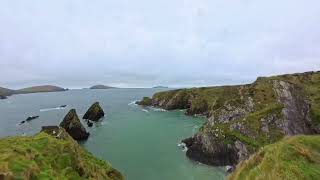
(142, 143)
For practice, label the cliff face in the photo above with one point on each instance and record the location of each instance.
(51, 154)
(241, 119)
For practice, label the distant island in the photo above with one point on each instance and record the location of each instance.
(158, 87)
(4, 92)
(101, 87)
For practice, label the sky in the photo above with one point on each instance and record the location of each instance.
(142, 43)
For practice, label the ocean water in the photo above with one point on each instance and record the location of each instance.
(142, 143)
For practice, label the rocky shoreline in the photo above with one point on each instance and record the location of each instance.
(244, 118)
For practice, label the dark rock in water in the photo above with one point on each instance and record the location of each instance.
(3, 97)
(73, 126)
(207, 150)
(94, 113)
(30, 118)
(63, 106)
(146, 101)
(89, 123)
(229, 169)
(22, 122)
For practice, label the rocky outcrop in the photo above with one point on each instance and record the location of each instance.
(51, 154)
(241, 119)
(73, 126)
(146, 101)
(3, 97)
(94, 113)
(296, 108)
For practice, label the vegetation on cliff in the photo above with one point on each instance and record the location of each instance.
(50, 154)
(243, 118)
(292, 158)
(146, 101)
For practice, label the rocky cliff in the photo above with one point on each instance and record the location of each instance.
(51, 154)
(243, 118)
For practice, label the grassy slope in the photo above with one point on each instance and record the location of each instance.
(291, 158)
(44, 157)
(45, 88)
(212, 100)
(6, 92)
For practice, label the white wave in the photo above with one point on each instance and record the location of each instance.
(133, 103)
(184, 147)
(51, 109)
(144, 110)
(158, 109)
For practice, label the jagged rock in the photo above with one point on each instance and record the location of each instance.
(94, 113)
(207, 149)
(73, 126)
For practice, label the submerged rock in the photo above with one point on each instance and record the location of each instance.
(30, 118)
(94, 113)
(73, 126)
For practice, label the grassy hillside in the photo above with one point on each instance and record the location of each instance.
(45, 88)
(51, 154)
(6, 92)
(293, 158)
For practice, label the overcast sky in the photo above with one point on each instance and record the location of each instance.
(140, 43)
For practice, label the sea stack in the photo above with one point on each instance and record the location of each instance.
(94, 113)
(73, 126)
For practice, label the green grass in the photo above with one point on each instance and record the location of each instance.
(293, 158)
(45, 157)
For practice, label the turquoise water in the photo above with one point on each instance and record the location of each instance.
(140, 142)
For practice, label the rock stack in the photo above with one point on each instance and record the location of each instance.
(94, 113)
(73, 126)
